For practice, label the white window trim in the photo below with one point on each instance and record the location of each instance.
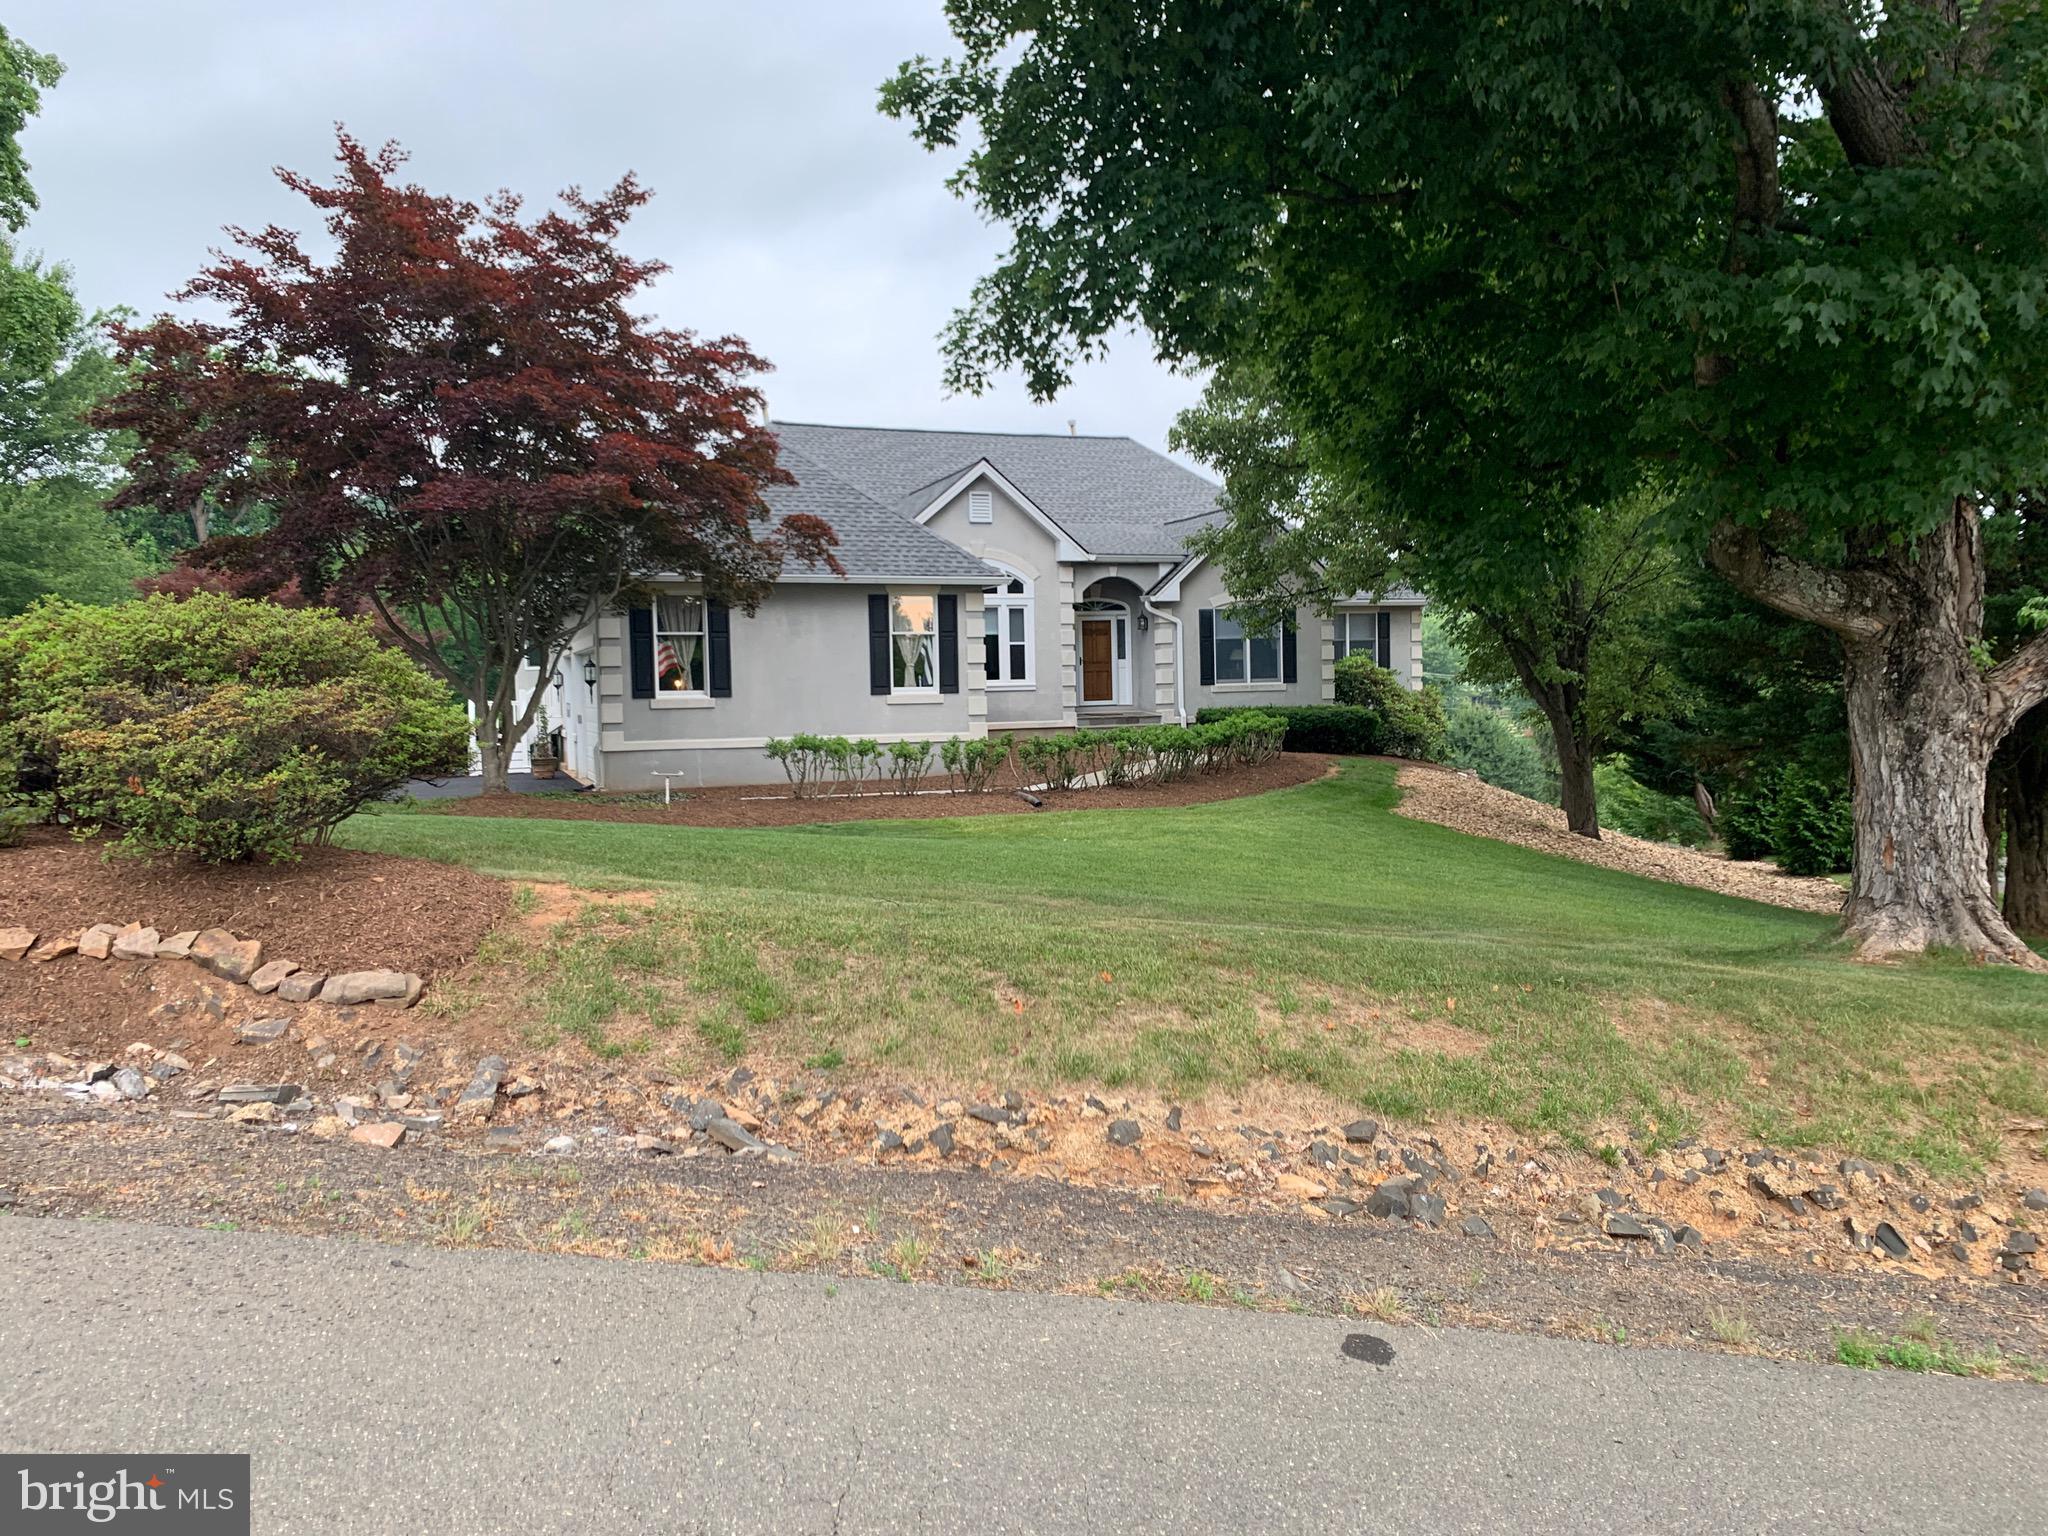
(1247, 683)
(1341, 649)
(683, 698)
(1000, 603)
(910, 693)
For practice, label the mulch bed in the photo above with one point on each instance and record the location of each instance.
(335, 909)
(745, 806)
(1464, 803)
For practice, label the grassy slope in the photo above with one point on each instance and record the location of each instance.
(1308, 935)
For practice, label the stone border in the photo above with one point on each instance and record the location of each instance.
(217, 951)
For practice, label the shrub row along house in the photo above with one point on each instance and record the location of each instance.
(992, 582)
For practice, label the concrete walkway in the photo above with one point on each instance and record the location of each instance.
(473, 784)
(389, 1389)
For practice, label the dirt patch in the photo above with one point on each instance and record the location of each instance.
(335, 909)
(766, 805)
(1468, 804)
(553, 903)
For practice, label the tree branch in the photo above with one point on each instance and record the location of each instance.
(1852, 604)
(2018, 683)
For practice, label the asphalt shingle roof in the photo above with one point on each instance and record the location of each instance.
(1114, 496)
(875, 544)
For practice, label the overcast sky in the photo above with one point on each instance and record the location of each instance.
(791, 211)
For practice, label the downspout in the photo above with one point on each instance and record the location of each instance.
(1180, 670)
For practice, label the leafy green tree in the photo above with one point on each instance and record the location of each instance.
(55, 466)
(24, 76)
(1788, 252)
(1570, 624)
(55, 540)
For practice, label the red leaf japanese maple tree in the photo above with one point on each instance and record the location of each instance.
(458, 422)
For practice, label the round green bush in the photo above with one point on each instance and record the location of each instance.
(1413, 718)
(216, 726)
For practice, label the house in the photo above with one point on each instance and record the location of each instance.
(993, 582)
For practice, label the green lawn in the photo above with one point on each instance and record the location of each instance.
(1305, 936)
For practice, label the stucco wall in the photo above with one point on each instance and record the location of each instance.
(1015, 539)
(799, 664)
(1315, 678)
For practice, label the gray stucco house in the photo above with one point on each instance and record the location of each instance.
(993, 582)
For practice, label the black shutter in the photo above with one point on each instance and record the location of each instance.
(640, 650)
(1207, 629)
(878, 642)
(1386, 638)
(949, 642)
(1287, 671)
(718, 640)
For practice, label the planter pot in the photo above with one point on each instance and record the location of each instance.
(544, 767)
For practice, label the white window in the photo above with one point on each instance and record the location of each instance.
(1365, 634)
(981, 507)
(1245, 659)
(914, 636)
(679, 645)
(1006, 619)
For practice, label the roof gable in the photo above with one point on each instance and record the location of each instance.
(875, 544)
(1111, 495)
(981, 469)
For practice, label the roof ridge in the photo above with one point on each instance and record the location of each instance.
(1058, 437)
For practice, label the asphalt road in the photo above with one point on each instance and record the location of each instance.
(385, 1389)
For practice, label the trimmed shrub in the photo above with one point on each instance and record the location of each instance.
(1346, 729)
(1484, 741)
(218, 726)
(909, 761)
(1412, 719)
(1812, 823)
(971, 761)
(1789, 813)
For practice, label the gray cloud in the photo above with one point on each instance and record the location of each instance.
(790, 210)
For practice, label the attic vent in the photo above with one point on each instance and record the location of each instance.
(981, 507)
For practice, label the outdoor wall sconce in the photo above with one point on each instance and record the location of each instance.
(590, 674)
(1144, 623)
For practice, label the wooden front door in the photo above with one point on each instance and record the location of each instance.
(1098, 662)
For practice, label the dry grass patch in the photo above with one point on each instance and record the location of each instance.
(1383, 1304)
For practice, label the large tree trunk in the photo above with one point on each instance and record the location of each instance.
(1919, 749)
(2026, 827)
(1924, 719)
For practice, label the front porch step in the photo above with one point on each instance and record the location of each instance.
(1102, 719)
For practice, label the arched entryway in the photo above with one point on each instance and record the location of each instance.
(1106, 644)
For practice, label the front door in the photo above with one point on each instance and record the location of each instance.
(1098, 662)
